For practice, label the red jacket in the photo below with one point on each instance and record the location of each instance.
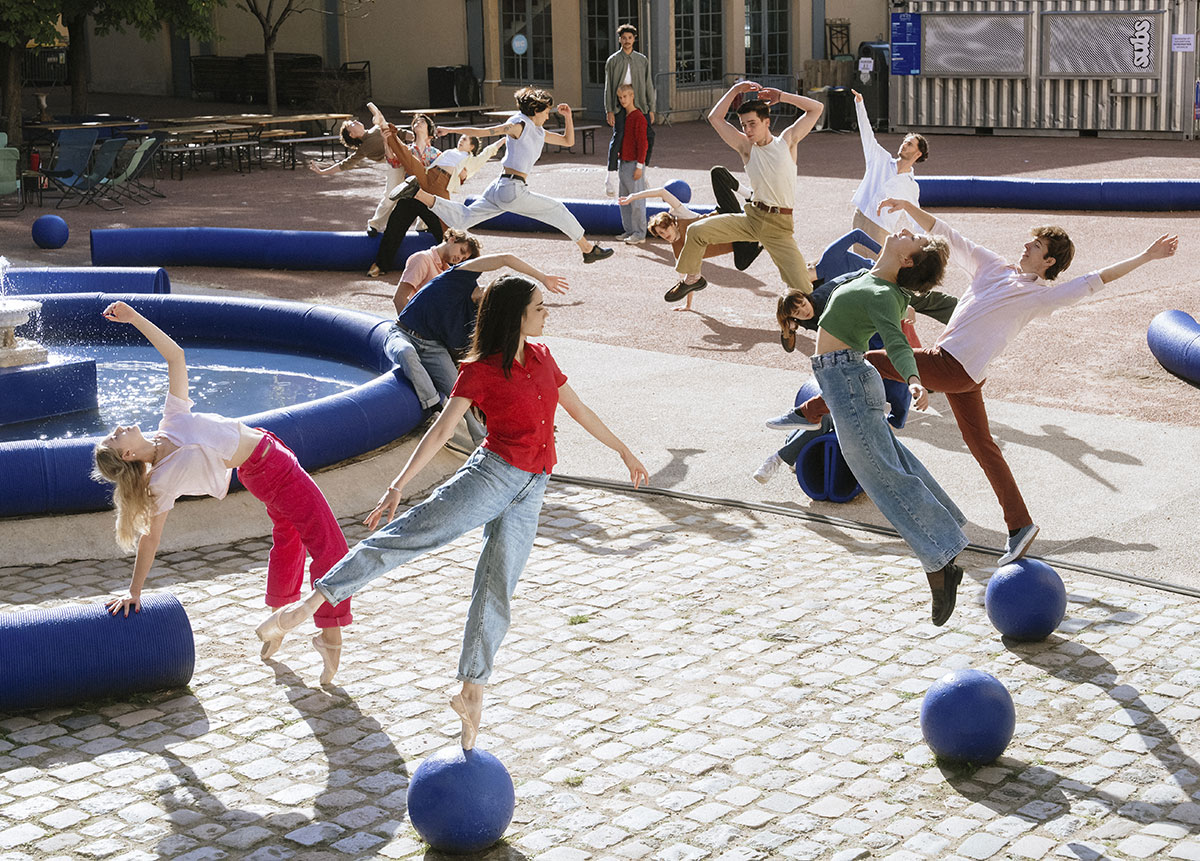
(635, 143)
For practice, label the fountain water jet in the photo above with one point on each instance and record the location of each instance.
(16, 351)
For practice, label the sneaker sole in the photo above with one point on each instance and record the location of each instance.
(1021, 549)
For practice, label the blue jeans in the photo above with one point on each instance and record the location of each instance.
(400, 351)
(633, 215)
(486, 491)
(434, 367)
(893, 478)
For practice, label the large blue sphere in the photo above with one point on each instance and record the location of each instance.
(50, 231)
(1026, 600)
(461, 800)
(680, 189)
(968, 716)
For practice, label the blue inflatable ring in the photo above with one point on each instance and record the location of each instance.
(53, 476)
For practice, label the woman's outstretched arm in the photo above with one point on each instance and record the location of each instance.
(177, 377)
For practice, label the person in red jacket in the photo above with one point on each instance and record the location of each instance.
(631, 167)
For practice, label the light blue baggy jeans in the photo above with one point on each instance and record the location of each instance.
(633, 215)
(486, 491)
(507, 194)
(904, 491)
(435, 369)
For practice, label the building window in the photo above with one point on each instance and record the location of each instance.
(699, 46)
(602, 17)
(529, 19)
(767, 49)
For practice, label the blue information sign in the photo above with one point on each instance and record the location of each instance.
(906, 43)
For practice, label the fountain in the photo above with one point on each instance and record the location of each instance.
(16, 351)
(33, 383)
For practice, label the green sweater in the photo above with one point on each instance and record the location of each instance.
(867, 305)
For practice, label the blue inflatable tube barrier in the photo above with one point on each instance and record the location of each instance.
(68, 655)
(246, 248)
(1115, 195)
(1174, 339)
(88, 279)
(53, 476)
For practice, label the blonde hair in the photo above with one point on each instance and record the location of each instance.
(625, 88)
(131, 493)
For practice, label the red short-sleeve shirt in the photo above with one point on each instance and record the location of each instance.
(520, 409)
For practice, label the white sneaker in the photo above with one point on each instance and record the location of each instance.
(770, 466)
(634, 240)
(611, 184)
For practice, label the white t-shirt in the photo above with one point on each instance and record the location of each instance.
(197, 467)
(998, 303)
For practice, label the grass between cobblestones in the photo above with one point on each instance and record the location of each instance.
(681, 682)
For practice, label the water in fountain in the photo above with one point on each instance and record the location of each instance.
(16, 351)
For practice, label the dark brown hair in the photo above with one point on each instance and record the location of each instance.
(755, 106)
(788, 305)
(1058, 245)
(531, 100)
(922, 146)
(430, 125)
(461, 237)
(626, 28)
(349, 141)
(498, 320)
(928, 266)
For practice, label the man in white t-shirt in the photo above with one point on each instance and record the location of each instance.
(885, 176)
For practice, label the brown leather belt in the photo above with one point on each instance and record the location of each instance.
(776, 210)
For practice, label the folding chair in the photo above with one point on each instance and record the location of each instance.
(72, 154)
(122, 184)
(87, 186)
(10, 179)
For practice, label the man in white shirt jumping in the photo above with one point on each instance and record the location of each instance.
(1000, 300)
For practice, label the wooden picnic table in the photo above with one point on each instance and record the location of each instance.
(200, 130)
(94, 124)
(259, 120)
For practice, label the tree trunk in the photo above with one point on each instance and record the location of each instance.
(272, 96)
(77, 62)
(11, 69)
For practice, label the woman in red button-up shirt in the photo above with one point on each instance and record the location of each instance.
(518, 386)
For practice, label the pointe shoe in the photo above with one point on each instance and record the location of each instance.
(331, 654)
(469, 728)
(271, 632)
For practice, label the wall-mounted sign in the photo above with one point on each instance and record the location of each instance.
(520, 44)
(1183, 42)
(906, 43)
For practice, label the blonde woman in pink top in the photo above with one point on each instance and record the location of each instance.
(194, 454)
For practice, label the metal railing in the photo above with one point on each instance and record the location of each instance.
(44, 66)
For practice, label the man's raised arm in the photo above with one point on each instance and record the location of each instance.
(732, 135)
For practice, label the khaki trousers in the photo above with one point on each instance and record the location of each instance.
(772, 231)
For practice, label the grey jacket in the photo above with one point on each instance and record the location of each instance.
(614, 75)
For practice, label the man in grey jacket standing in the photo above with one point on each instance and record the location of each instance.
(626, 66)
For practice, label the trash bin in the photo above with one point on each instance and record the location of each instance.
(841, 109)
(873, 84)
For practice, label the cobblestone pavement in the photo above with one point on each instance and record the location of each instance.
(681, 682)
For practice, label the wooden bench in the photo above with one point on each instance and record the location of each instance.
(285, 147)
(585, 134)
(193, 154)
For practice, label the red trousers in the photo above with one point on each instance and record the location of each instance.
(941, 372)
(302, 522)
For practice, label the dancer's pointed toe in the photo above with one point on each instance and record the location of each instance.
(331, 655)
(470, 725)
(271, 632)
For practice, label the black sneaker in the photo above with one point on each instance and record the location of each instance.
(681, 289)
(597, 253)
(372, 232)
(944, 598)
(405, 190)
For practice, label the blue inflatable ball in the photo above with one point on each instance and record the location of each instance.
(50, 231)
(461, 800)
(968, 716)
(1026, 600)
(680, 189)
(809, 390)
